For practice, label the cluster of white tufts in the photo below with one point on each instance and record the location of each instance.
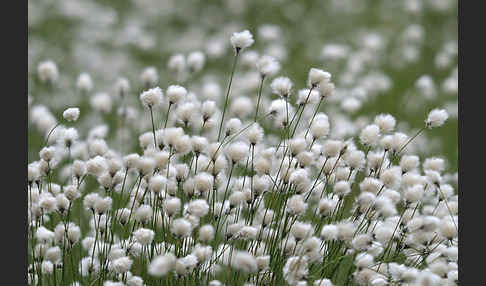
(284, 190)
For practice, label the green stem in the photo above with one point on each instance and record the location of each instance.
(410, 140)
(153, 126)
(167, 116)
(259, 96)
(50, 132)
(228, 91)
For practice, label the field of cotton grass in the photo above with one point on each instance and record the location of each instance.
(242, 142)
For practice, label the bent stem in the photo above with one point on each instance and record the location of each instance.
(410, 140)
(50, 132)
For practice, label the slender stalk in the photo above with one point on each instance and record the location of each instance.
(153, 126)
(302, 110)
(167, 115)
(50, 132)
(410, 140)
(225, 194)
(448, 208)
(381, 164)
(259, 97)
(314, 115)
(228, 91)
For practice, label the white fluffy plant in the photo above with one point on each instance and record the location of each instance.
(321, 196)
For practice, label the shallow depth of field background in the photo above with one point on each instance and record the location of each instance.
(109, 39)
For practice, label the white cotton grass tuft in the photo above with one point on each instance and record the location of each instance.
(181, 227)
(177, 64)
(255, 134)
(244, 261)
(198, 208)
(151, 97)
(47, 71)
(318, 76)
(84, 82)
(237, 151)
(303, 96)
(149, 76)
(122, 86)
(196, 61)
(175, 93)
(386, 122)
(71, 114)
(161, 265)
(144, 236)
(206, 233)
(241, 40)
(282, 86)
(267, 66)
(370, 135)
(122, 264)
(436, 118)
(320, 128)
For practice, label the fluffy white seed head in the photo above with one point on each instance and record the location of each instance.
(102, 205)
(206, 233)
(398, 141)
(320, 128)
(301, 230)
(149, 76)
(282, 86)
(370, 135)
(342, 188)
(327, 89)
(237, 151)
(436, 118)
(181, 227)
(175, 93)
(195, 61)
(198, 208)
(267, 66)
(122, 86)
(232, 126)
(122, 264)
(71, 114)
(332, 148)
(151, 97)
(84, 82)
(255, 134)
(409, 163)
(317, 76)
(143, 214)
(161, 265)
(244, 261)
(48, 71)
(172, 206)
(414, 193)
(296, 205)
(101, 102)
(241, 40)
(386, 122)
(355, 159)
(177, 64)
(434, 164)
(144, 236)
